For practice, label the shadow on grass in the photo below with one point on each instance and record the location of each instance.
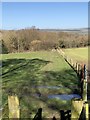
(14, 64)
(24, 78)
(27, 73)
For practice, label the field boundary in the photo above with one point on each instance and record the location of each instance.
(77, 67)
(13, 100)
(80, 69)
(83, 74)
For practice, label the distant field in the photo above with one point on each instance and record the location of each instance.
(78, 54)
(33, 77)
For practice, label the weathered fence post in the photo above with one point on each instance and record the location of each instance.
(84, 91)
(13, 104)
(80, 108)
(86, 108)
(84, 96)
(76, 66)
(85, 85)
(76, 109)
(78, 69)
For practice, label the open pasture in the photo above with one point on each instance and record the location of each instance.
(81, 56)
(78, 54)
(36, 76)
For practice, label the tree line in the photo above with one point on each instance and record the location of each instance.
(34, 40)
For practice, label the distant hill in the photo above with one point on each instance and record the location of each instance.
(81, 30)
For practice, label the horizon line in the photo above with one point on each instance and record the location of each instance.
(47, 28)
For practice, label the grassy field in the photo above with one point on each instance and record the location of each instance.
(78, 54)
(33, 77)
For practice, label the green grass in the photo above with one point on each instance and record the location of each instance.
(24, 73)
(78, 54)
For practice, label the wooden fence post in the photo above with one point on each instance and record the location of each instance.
(84, 96)
(13, 104)
(74, 65)
(86, 107)
(76, 109)
(85, 85)
(78, 69)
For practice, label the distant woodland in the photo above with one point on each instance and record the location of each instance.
(32, 39)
